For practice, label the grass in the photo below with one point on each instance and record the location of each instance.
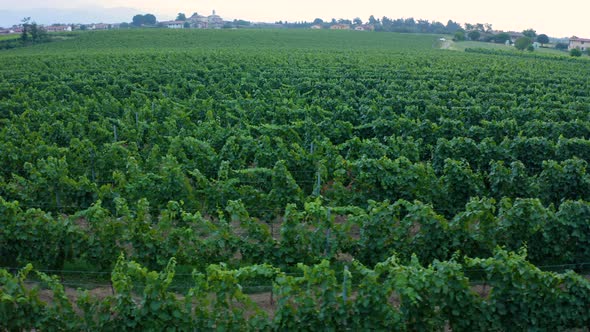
(9, 37)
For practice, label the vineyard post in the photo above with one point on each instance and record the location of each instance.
(328, 233)
(272, 300)
(318, 184)
(92, 171)
(344, 283)
(57, 200)
(344, 289)
(137, 134)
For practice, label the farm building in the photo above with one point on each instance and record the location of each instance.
(579, 43)
(340, 27)
(58, 28)
(173, 24)
(365, 27)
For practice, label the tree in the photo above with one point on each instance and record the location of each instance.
(357, 21)
(187, 25)
(474, 35)
(25, 34)
(147, 19)
(522, 43)
(502, 37)
(372, 20)
(32, 32)
(453, 27)
(181, 17)
(543, 39)
(561, 46)
(459, 35)
(575, 52)
(530, 33)
(318, 21)
(530, 48)
(137, 20)
(38, 34)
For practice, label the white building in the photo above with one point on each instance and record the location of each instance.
(57, 28)
(215, 21)
(173, 24)
(198, 21)
(579, 43)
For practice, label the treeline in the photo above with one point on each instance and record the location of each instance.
(403, 25)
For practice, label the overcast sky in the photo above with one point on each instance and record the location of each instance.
(556, 18)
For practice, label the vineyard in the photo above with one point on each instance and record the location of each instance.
(368, 181)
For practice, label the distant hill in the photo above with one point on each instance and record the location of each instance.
(53, 15)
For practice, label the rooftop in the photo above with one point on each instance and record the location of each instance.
(574, 38)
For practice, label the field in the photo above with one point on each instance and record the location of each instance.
(372, 180)
(9, 37)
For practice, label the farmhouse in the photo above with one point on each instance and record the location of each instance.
(316, 27)
(212, 21)
(58, 28)
(215, 21)
(173, 24)
(579, 43)
(198, 21)
(98, 26)
(340, 27)
(364, 27)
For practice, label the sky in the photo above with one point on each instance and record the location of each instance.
(557, 19)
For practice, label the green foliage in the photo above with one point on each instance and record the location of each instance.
(530, 33)
(502, 37)
(523, 43)
(474, 35)
(459, 36)
(561, 46)
(141, 20)
(575, 52)
(459, 184)
(543, 38)
(332, 150)
(513, 294)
